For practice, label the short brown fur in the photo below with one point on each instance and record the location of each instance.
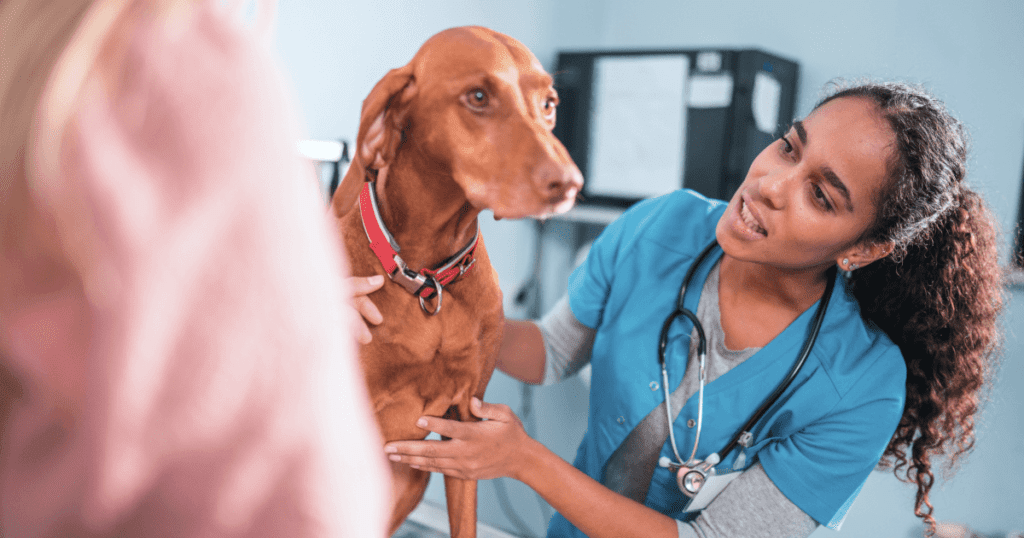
(438, 161)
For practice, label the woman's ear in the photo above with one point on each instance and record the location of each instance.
(863, 254)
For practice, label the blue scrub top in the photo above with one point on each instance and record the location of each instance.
(818, 443)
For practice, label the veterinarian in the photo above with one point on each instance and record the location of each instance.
(857, 219)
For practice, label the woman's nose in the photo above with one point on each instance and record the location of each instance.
(773, 188)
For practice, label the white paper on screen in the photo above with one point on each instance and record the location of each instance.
(765, 102)
(638, 125)
(711, 91)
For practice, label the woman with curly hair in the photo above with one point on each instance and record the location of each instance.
(939, 294)
(870, 183)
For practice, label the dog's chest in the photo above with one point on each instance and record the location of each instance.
(454, 348)
(470, 316)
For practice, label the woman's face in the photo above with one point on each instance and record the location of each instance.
(809, 196)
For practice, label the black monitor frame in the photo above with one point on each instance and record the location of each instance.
(1017, 257)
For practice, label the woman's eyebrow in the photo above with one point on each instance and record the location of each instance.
(800, 131)
(833, 179)
(830, 176)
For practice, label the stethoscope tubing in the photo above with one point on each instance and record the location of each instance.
(701, 347)
(819, 318)
(681, 310)
(702, 354)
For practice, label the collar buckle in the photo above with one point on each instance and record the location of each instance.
(425, 284)
(405, 277)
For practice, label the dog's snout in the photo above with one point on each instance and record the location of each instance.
(556, 180)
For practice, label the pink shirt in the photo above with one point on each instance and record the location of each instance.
(175, 351)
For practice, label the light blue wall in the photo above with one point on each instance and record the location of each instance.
(970, 54)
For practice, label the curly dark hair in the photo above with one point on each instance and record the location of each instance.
(939, 294)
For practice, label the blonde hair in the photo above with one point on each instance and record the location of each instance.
(48, 48)
(33, 38)
(49, 51)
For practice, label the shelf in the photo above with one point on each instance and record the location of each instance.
(591, 214)
(322, 150)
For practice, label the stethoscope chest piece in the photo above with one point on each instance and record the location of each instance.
(689, 480)
(691, 477)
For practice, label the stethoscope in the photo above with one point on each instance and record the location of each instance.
(692, 473)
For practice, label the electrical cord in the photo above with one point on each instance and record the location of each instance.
(530, 425)
(506, 507)
(527, 294)
(526, 416)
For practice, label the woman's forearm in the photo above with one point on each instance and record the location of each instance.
(586, 503)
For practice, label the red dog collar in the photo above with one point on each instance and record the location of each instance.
(428, 282)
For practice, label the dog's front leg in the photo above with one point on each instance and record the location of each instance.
(461, 497)
(459, 493)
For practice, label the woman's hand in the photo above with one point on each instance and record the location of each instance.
(476, 450)
(361, 286)
(499, 447)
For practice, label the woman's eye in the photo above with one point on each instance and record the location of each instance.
(477, 98)
(819, 196)
(787, 147)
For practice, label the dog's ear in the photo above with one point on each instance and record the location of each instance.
(380, 132)
(383, 117)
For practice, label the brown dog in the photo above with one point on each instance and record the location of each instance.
(465, 126)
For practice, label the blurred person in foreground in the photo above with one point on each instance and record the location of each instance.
(174, 351)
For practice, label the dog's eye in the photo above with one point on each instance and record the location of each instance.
(550, 104)
(477, 98)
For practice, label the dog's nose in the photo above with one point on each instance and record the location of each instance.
(557, 180)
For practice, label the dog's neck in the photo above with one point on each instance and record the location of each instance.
(428, 215)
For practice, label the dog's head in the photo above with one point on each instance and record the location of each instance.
(474, 105)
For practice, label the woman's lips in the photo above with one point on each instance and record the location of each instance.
(748, 218)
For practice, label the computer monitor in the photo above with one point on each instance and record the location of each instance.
(644, 123)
